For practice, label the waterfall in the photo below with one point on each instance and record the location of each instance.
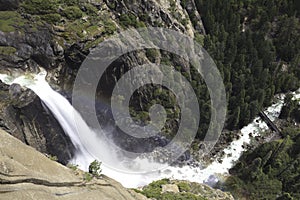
(66, 114)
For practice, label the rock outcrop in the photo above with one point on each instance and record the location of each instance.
(28, 175)
(24, 116)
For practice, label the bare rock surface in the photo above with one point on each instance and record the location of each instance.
(28, 175)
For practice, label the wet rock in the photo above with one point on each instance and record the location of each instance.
(26, 118)
(20, 97)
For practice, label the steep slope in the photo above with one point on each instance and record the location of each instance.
(27, 174)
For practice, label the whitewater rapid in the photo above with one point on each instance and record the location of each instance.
(66, 114)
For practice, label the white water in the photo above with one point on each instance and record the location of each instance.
(65, 113)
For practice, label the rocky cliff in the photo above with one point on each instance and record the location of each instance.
(27, 174)
(26, 118)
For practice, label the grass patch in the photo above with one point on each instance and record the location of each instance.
(9, 20)
(40, 6)
(87, 177)
(52, 18)
(94, 43)
(4, 50)
(199, 38)
(127, 20)
(154, 191)
(184, 187)
(72, 12)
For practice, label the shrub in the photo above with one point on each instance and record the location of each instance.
(90, 9)
(51, 18)
(127, 20)
(69, 2)
(40, 6)
(7, 50)
(72, 166)
(153, 190)
(72, 12)
(87, 176)
(95, 168)
(152, 54)
(110, 27)
(183, 187)
(9, 20)
(53, 158)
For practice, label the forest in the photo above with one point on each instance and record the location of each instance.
(255, 45)
(272, 170)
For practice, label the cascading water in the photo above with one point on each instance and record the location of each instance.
(65, 114)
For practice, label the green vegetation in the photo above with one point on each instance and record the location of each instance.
(9, 20)
(40, 6)
(109, 27)
(53, 158)
(199, 38)
(7, 50)
(152, 54)
(154, 191)
(255, 45)
(127, 20)
(52, 18)
(95, 169)
(87, 177)
(291, 109)
(255, 49)
(184, 187)
(77, 19)
(72, 12)
(72, 166)
(69, 2)
(272, 170)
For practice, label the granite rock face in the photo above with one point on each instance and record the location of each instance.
(26, 118)
(29, 175)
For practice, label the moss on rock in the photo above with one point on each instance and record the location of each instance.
(4, 50)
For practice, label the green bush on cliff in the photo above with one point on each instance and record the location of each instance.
(90, 9)
(183, 187)
(70, 2)
(7, 50)
(110, 26)
(10, 20)
(72, 12)
(154, 191)
(127, 20)
(40, 6)
(95, 168)
(51, 18)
